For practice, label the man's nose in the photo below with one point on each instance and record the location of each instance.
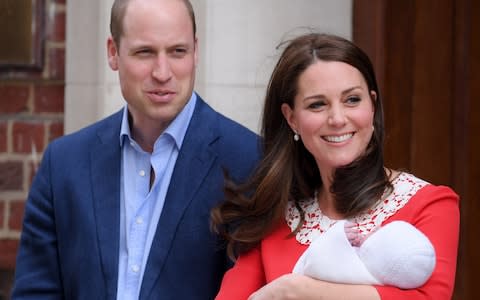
(162, 71)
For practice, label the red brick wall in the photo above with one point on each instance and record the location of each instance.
(31, 115)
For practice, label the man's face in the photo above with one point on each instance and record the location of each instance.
(156, 59)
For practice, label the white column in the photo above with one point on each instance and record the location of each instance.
(91, 90)
(237, 52)
(238, 44)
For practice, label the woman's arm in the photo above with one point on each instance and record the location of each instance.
(434, 211)
(246, 276)
(294, 286)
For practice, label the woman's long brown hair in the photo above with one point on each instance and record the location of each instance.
(288, 172)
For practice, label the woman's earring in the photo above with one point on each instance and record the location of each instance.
(296, 137)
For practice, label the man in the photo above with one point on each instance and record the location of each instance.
(120, 209)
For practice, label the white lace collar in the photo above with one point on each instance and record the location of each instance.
(404, 187)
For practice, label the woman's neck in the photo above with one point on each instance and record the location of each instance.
(326, 202)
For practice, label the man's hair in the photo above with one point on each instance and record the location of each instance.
(119, 9)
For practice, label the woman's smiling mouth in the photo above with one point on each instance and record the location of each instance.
(338, 138)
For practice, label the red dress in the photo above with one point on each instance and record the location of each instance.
(432, 209)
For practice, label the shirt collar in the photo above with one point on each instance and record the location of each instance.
(176, 129)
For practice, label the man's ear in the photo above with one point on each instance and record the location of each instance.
(196, 51)
(112, 53)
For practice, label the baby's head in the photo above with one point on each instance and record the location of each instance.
(398, 254)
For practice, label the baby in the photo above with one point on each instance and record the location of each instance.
(395, 254)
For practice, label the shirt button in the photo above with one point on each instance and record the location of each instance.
(139, 220)
(141, 173)
(135, 268)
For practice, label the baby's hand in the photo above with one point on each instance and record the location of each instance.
(353, 234)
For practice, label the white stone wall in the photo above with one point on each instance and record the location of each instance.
(90, 84)
(237, 42)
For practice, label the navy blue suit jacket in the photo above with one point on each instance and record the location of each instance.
(70, 240)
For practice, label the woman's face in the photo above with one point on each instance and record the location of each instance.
(333, 113)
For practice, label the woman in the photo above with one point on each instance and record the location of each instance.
(323, 133)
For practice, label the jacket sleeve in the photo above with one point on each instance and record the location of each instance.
(37, 274)
(246, 277)
(434, 211)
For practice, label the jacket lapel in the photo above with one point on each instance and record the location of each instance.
(105, 159)
(193, 163)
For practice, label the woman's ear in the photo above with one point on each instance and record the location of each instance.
(289, 116)
(373, 96)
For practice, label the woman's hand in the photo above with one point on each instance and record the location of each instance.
(286, 287)
(295, 286)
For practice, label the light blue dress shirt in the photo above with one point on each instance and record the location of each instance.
(141, 206)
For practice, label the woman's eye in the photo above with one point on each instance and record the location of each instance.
(353, 99)
(316, 105)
